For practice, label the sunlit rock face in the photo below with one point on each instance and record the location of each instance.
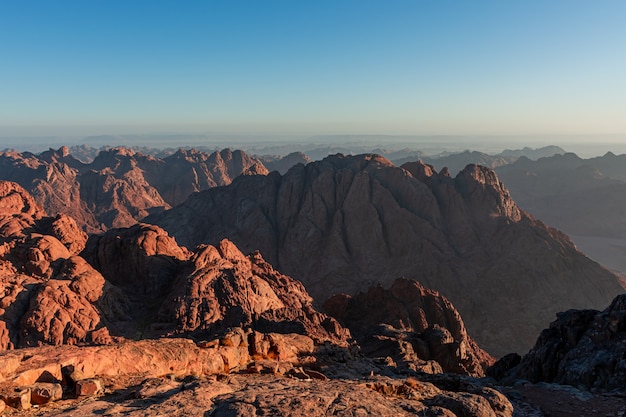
(120, 186)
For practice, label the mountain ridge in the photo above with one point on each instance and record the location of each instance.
(460, 236)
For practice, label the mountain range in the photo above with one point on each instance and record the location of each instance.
(350, 271)
(346, 223)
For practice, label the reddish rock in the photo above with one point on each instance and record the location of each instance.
(43, 393)
(89, 387)
(120, 186)
(411, 324)
(222, 288)
(63, 310)
(142, 258)
(189, 171)
(463, 236)
(65, 229)
(19, 399)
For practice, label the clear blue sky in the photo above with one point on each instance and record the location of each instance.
(421, 67)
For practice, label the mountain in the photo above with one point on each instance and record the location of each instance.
(585, 198)
(346, 223)
(130, 311)
(137, 282)
(456, 161)
(120, 186)
(533, 153)
(60, 288)
(283, 164)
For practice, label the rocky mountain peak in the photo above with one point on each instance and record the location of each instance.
(482, 188)
(346, 223)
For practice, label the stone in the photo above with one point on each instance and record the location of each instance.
(581, 348)
(158, 387)
(411, 324)
(89, 387)
(43, 393)
(20, 399)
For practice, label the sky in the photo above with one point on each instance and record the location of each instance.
(548, 67)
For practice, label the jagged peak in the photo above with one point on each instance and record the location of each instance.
(480, 174)
(419, 169)
(356, 162)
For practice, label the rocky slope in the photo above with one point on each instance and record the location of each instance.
(346, 223)
(39, 304)
(410, 324)
(138, 283)
(120, 186)
(581, 348)
(551, 189)
(198, 316)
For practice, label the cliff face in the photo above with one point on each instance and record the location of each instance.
(346, 223)
(120, 186)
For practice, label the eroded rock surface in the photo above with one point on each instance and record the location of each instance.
(582, 348)
(120, 186)
(48, 293)
(179, 377)
(411, 324)
(347, 223)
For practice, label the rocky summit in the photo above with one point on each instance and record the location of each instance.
(346, 223)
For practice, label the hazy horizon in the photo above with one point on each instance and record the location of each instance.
(585, 146)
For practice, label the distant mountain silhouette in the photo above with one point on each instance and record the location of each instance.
(585, 198)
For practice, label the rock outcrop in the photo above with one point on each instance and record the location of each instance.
(582, 348)
(345, 224)
(222, 378)
(412, 325)
(134, 282)
(48, 291)
(120, 186)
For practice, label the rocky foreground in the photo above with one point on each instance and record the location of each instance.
(243, 373)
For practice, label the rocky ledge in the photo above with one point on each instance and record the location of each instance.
(243, 373)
